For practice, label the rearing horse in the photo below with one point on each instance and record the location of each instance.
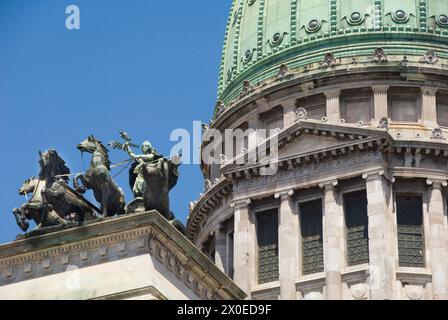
(98, 179)
(32, 210)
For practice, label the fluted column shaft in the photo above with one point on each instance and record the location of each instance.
(244, 244)
(380, 102)
(221, 249)
(438, 241)
(333, 105)
(288, 246)
(289, 115)
(333, 241)
(380, 240)
(429, 106)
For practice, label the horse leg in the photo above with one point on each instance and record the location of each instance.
(20, 219)
(80, 188)
(105, 200)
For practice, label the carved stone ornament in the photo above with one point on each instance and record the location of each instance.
(247, 88)
(301, 114)
(283, 72)
(329, 61)
(219, 109)
(430, 57)
(308, 170)
(207, 185)
(384, 123)
(437, 134)
(379, 56)
(359, 291)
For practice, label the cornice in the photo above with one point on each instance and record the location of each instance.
(312, 77)
(113, 239)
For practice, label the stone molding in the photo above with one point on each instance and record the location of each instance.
(111, 240)
(286, 194)
(436, 183)
(356, 73)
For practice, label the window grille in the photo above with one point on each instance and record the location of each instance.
(267, 236)
(356, 221)
(411, 244)
(312, 239)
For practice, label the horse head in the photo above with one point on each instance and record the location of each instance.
(28, 186)
(93, 145)
(52, 165)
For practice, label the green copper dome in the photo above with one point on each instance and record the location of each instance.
(263, 35)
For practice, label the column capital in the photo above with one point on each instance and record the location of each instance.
(430, 91)
(332, 93)
(289, 107)
(219, 229)
(328, 185)
(284, 194)
(262, 105)
(380, 89)
(240, 203)
(436, 183)
(377, 174)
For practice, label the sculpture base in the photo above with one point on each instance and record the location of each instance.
(138, 256)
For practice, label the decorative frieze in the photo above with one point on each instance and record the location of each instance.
(349, 161)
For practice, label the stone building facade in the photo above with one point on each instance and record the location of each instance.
(357, 205)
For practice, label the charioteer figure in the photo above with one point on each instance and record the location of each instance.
(151, 176)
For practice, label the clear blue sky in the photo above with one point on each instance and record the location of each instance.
(141, 65)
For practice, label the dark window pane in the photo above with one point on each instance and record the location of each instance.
(312, 239)
(267, 235)
(231, 250)
(356, 220)
(411, 244)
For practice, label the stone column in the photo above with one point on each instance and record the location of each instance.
(438, 240)
(244, 244)
(289, 116)
(221, 248)
(380, 102)
(429, 106)
(333, 105)
(288, 246)
(333, 241)
(252, 141)
(381, 252)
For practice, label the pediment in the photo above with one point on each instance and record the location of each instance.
(311, 140)
(308, 144)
